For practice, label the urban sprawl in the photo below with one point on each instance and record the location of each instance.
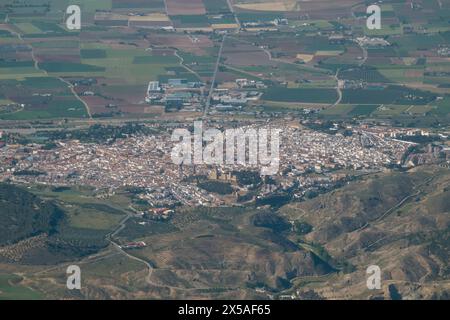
(309, 160)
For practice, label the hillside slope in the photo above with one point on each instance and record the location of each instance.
(24, 215)
(398, 221)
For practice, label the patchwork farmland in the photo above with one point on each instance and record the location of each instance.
(98, 106)
(296, 50)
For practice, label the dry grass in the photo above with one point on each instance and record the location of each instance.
(305, 57)
(225, 26)
(153, 17)
(282, 6)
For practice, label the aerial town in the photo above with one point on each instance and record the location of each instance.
(145, 162)
(323, 153)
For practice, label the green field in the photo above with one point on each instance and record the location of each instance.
(155, 60)
(300, 95)
(68, 67)
(70, 108)
(388, 95)
(59, 104)
(390, 110)
(10, 289)
(56, 44)
(443, 107)
(339, 110)
(28, 28)
(216, 6)
(190, 21)
(363, 74)
(84, 211)
(362, 110)
(93, 53)
(19, 73)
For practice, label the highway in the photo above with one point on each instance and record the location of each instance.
(213, 80)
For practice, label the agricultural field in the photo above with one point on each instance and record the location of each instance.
(180, 7)
(10, 288)
(216, 6)
(88, 177)
(108, 63)
(387, 95)
(294, 47)
(301, 95)
(271, 6)
(351, 110)
(36, 102)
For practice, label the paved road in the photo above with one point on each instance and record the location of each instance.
(213, 80)
(230, 5)
(119, 228)
(338, 88)
(36, 66)
(396, 206)
(72, 89)
(365, 56)
(185, 66)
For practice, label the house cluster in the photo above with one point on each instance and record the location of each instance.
(144, 162)
(266, 24)
(157, 214)
(372, 42)
(134, 245)
(232, 99)
(176, 94)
